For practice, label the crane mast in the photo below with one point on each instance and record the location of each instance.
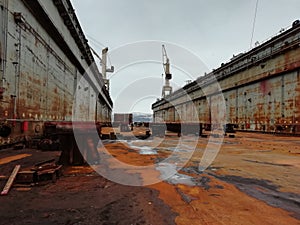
(167, 89)
(103, 62)
(105, 69)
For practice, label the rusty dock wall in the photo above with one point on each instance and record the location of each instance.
(43, 57)
(261, 90)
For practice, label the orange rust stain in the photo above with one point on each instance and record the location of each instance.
(22, 102)
(36, 81)
(264, 87)
(286, 58)
(129, 156)
(13, 158)
(78, 170)
(123, 154)
(221, 204)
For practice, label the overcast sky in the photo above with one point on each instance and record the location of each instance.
(210, 30)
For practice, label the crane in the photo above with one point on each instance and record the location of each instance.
(167, 89)
(103, 62)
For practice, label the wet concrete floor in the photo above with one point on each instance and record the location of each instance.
(259, 172)
(253, 179)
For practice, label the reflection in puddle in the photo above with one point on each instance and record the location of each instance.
(168, 168)
(169, 173)
(143, 150)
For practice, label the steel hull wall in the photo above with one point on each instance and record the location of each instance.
(39, 81)
(261, 90)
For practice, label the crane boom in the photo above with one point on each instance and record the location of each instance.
(167, 89)
(166, 63)
(103, 62)
(95, 53)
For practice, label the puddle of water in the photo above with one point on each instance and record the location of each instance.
(143, 150)
(179, 149)
(169, 173)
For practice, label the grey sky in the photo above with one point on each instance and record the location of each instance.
(213, 30)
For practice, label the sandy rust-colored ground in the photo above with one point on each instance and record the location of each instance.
(253, 180)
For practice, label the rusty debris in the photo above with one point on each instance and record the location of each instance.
(40, 172)
(11, 180)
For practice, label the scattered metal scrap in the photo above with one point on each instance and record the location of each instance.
(11, 180)
(43, 171)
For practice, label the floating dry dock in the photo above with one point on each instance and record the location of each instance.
(44, 61)
(260, 88)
